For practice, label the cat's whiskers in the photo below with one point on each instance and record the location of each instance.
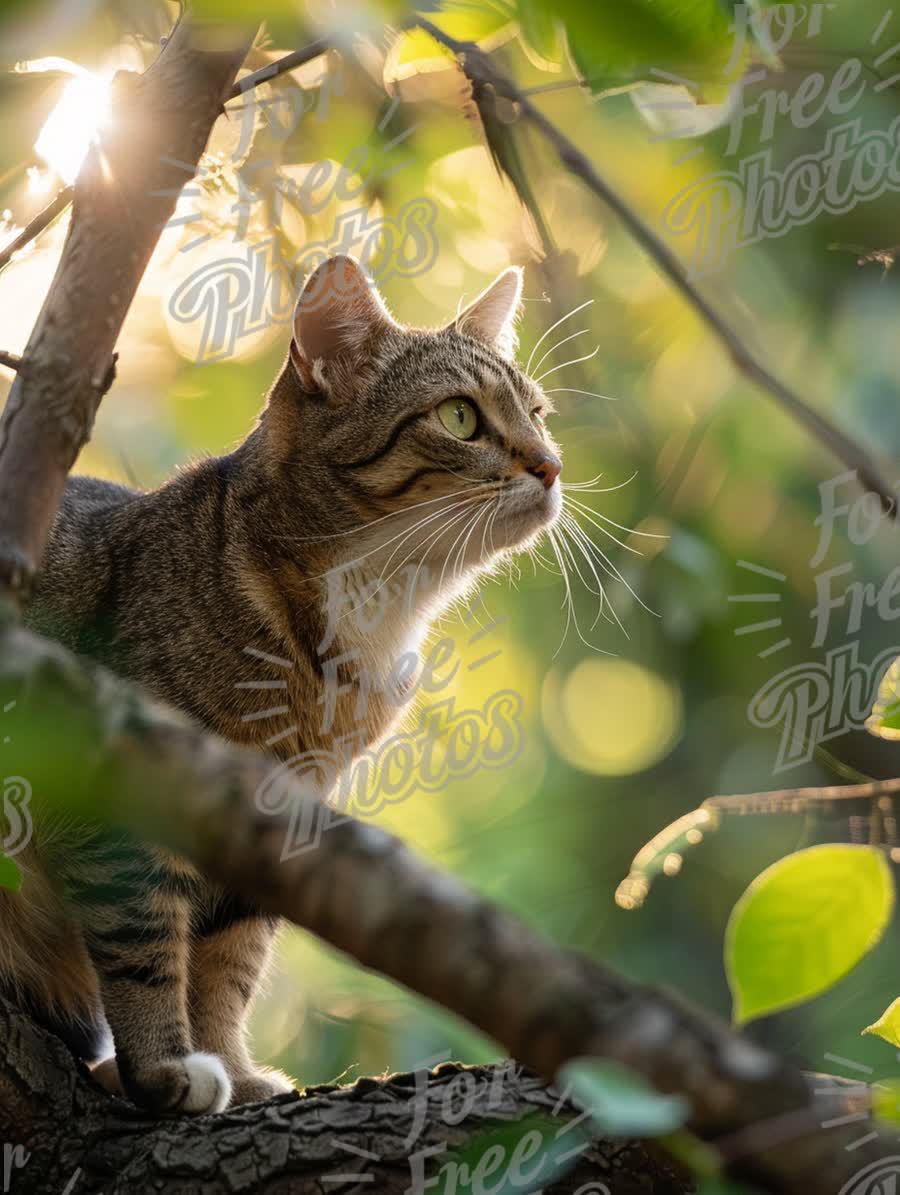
(400, 534)
(552, 329)
(464, 536)
(365, 526)
(587, 487)
(431, 539)
(574, 390)
(559, 344)
(578, 509)
(567, 603)
(403, 537)
(605, 563)
(580, 539)
(591, 514)
(574, 361)
(564, 552)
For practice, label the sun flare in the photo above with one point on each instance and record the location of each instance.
(70, 128)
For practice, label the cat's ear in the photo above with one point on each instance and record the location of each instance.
(338, 314)
(492, 316)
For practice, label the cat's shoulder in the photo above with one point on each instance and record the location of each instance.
(94, 494)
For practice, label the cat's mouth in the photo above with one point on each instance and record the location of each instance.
(527, 507)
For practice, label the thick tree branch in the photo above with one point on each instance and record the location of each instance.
(124, 195)
(382, 1132)
(482, 72)
(160, 777)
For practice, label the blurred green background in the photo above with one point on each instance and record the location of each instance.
(626, 728)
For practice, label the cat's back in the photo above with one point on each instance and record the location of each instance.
(78, 565)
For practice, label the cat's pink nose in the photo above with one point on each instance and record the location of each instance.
(547, 468)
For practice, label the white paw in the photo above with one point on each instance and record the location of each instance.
(210, 1087)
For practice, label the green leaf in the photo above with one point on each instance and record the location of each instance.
(886, 1099)
(417, 52)
(485, 22)
(541, 34)
(803, 924)
(621, 1102)
(888, 1024)
(531, 1155)
(884, 720)
(10, 876)
(690, 37)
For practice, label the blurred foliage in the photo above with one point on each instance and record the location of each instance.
(633, 718)
(620, 1102)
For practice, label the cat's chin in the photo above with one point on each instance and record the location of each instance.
(528, 510)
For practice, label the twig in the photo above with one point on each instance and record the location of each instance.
(10, 360)
(36, 226)
(803, 800)
(281, 66)
(481, 71)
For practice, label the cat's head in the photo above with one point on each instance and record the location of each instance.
(434, 435)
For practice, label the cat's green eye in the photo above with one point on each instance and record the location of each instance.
(459, 417)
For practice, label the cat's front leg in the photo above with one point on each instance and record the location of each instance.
(134, 907)
(230, 952)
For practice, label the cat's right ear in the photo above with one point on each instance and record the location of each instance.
(338, 316)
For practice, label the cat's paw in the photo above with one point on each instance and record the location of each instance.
(189, 1086)
(259, 1086)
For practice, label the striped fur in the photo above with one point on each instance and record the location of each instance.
(247, 551)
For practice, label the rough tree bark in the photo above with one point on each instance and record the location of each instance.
(378, 1134)
(129, 761)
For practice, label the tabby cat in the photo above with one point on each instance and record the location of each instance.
(379, 445)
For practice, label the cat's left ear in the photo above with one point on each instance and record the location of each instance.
(339, 315)
(492, 316)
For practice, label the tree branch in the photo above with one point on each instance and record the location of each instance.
(37, 225)
(124, 195)
(379, 1131)
(481, 72)
(281, 66)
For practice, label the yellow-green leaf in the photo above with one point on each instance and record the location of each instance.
(886, 1098)
(884, 720)
(803, 924)
(417, 52)
(888, 1024)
